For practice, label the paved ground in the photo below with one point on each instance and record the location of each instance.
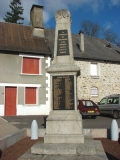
(7, 128)
(12, 124)
(25, 121)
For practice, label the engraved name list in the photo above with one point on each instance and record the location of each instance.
(63, 92)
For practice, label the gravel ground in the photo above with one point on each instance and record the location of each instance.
(111, 148)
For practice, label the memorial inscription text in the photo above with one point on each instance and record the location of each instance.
(63, 92)
(62, 46)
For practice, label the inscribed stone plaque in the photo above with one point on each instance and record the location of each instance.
(62, 45)
(63, 92)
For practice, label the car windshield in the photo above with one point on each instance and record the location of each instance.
(103, 101)
(88, 103)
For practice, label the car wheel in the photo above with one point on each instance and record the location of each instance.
(94, 117)
(115, 114)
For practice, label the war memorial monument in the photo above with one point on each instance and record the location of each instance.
(64, 138)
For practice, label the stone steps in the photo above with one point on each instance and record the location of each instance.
(87, 148)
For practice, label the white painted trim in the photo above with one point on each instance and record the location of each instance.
(48, 62)
(28, 74)
(16, 99)
(32, 109)
(4, 100)
(20, 85)
(37, 96)
(2, 110)
(48, 102)
(23, 55)
(40, 66)
(24, 96)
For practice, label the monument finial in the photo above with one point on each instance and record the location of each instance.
(63, 14)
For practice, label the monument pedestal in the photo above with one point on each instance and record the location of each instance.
(64, 133)
(64, 127)
(87, 148)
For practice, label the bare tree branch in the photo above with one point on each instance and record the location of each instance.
(109, 35)
(90, 29)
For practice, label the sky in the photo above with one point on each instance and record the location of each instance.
(104, 12)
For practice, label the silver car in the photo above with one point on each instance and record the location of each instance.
(110, 105)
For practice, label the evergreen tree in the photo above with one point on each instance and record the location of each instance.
(14, 15)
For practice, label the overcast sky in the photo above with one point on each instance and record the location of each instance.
(105, 12)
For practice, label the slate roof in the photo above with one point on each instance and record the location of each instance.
(19, 38)
(95, 48)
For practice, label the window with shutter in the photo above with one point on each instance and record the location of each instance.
(30, 95)
(31, 65)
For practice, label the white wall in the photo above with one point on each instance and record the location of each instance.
(2, 111)
(32, 110)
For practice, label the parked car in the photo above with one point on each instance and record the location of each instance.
(88, 108)
(110, 105)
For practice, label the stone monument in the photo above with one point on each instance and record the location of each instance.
(64, 123)
(64, 130)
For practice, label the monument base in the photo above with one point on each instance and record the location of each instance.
(64, 139)
(64, 127)
(88, 148)
(91, 149)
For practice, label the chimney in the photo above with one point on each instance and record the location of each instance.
(81, 34)
(36, 20)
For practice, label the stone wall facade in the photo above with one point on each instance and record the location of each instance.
(108, 81)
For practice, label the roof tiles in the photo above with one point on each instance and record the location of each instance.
(19, 38)
(15, 37)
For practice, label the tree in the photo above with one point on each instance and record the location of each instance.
(110, 35)
(93, 29)
(14, 15)
(90, 29)
(118, 43)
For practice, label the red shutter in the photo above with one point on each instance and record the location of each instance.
(30, 65)
(30, 95)
(10, 101)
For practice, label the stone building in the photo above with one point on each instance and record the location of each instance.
(99, 63)
(33, 46)
(100, 69)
